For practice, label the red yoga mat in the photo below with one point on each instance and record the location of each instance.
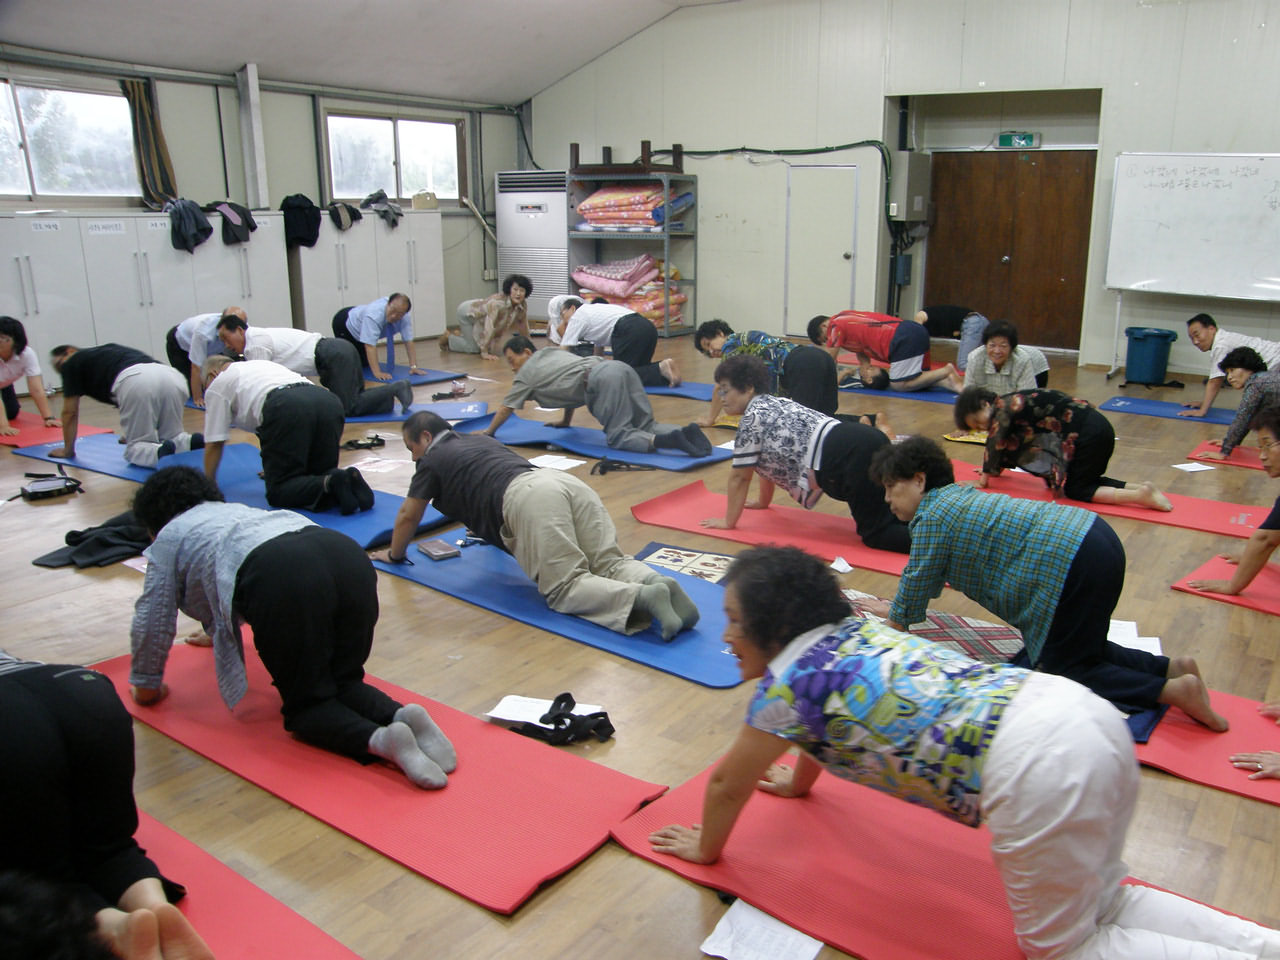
(33, 432)
(1191, 751)
(515, 813)
(1189, 513)
(860, 870)
(1239, 457)
(235, 917)
(1263, 594)
(822, 534)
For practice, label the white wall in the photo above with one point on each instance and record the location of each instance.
(1175, 77)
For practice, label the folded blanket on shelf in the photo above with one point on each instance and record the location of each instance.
(617, 196)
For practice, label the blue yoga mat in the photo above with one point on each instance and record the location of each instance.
(239, 481)
(448, 409)
(402, 373)
(490, 578)
(932, 395)
(694, 391)
(585, 441)
(1163, 408)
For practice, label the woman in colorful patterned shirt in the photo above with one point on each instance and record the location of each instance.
(1055, 436)
(1246, 371)
(801, 372)
(805, 452)
(973, 741)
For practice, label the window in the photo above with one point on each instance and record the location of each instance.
(65, 143)
(398, 155)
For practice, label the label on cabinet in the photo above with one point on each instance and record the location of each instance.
(157, 224)
(46, 226)
(103, 227)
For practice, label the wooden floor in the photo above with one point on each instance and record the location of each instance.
(1205, 844)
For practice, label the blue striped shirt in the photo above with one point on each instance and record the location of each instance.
(1008, 554)
(192, 567)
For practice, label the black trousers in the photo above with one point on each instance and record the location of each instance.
(809, 377)
(66, 794)
(341, 370)
(846, 457)
(311, 597)
(1077, 645)
(11, 405)
(342, 333)
(1095, 442)
(300, 434)
(178, 358)
(634, 340)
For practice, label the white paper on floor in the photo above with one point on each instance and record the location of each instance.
(745, 933)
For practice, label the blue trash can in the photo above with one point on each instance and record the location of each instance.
(1147, 356)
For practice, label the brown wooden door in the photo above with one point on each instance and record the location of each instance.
(1011, 238)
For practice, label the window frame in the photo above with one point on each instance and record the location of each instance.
(369, 112)
(110, 88)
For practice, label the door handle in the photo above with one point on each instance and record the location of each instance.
(22, 285)
(151, 290)
(337, 264)
(31, 275)
(1005, 259)
(848, 255)
(137, 271)
(248, 277)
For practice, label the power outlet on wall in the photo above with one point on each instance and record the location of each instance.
(491, 274)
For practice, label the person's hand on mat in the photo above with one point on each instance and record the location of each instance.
(149, 696)
(415, 369)
(1197, 412)
(381, 375)
(716, 523)
(981, 482)
(755, 505)
(779, 780)
(555, 424)
(679, 841)
(198, 404)
(878, 607)
(1263, 765)
(489, 356)
(198, 639)
(1219, 455)
(1212, 586)
(705, 422)
(1272, 710)
(8, 430)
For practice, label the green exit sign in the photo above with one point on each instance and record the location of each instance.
(1011, 140)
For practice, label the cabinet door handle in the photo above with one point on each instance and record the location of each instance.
(151, 291)
(346, 270)
(31, 275)
(137, 274)
(408, 252)
(22, 285)
(248, 277)
(337, 264)
(415, 261)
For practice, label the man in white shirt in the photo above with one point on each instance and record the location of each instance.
(632, 338)
(1204, 332)
(299, 428)
(189, 344)
(334, 361)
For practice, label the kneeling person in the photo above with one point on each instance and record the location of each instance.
(299, 428)
(311, 597)
(550, 521)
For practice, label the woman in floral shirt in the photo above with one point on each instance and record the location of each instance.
(1055, 436)
(483, 325)
(1044, 762)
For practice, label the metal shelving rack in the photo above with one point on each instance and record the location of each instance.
(595, 246)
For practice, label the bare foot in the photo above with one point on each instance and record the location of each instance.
(133, 936)
(1149, 496)
(670, 371)
(1190, 695)
(178, 938)
(1178, 666)
(883, 425)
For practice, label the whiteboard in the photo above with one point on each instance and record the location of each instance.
(1204, 224)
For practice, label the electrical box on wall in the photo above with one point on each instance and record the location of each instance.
(909, 188)
(1012, 140)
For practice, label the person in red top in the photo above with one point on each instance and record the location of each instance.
(902, 344)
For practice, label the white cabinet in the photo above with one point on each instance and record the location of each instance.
(115, 277)
(367, 261)
(253, 275)
(45, 285)
(139, 284)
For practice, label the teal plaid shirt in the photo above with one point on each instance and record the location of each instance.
(772, 351)
(1008, 554)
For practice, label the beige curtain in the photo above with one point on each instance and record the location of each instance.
(155, 169)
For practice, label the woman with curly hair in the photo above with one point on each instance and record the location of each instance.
(484, 324)
(1053, 435)
(1042, 760)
